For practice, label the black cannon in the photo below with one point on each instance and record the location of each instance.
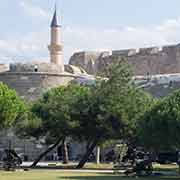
(142, 165)
(11, 160)
(130, 155)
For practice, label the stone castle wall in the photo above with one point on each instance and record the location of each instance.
(144, 61)
(3, 68)
(35, 66)
(30, 86)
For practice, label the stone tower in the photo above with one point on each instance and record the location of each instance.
(55, 46)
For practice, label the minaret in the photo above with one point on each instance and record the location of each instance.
(55, 46)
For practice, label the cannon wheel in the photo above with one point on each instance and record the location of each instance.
(149, 170)
(9, 166)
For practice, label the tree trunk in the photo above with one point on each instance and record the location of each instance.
(65, 155)
(98, 152)
(88, 145)
(86, 155)
(45, 152)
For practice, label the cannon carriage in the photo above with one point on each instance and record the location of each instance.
(134, 161)
(11, 160)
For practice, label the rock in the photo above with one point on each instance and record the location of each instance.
(88, 60)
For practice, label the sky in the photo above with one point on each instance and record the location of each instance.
(93, 25)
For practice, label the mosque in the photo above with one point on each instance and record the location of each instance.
(31, 80)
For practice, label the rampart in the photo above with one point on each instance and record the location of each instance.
(31, 86)
(144, 61)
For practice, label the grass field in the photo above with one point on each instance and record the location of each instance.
(57, 175)
(60, 175)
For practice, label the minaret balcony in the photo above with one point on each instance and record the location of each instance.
(55, 47)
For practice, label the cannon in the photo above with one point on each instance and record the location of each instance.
(142, 165)
(11, 160)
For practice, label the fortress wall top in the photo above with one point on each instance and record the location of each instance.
(133, 52)
(30, 86)
(124, 52)
(145, 51)
(35, 67)
(169, 48)
(153, 60)
(150, 51)
(139, 51)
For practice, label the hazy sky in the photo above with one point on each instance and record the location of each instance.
(87, 25)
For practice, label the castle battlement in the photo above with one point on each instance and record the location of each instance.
(146, 51)
(150, 60)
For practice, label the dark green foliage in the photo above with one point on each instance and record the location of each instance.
(112, 108)
(55, 108)
(159, 128)
(29, 126)
(107, 110)
(138, 103)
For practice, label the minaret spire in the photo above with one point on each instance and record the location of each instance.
(55, 46)
(54, 22)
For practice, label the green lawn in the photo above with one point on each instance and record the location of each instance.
(57, 175)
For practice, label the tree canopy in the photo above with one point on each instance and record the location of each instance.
(54, 110)
(12, 108)
(111, 109)
(159, 128)
(107, 110)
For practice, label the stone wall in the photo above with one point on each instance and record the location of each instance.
(154, 60)
(35, 66)
(87, 60)
(3, 68)
(159, 85)
(23, 147)
(30, 86)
